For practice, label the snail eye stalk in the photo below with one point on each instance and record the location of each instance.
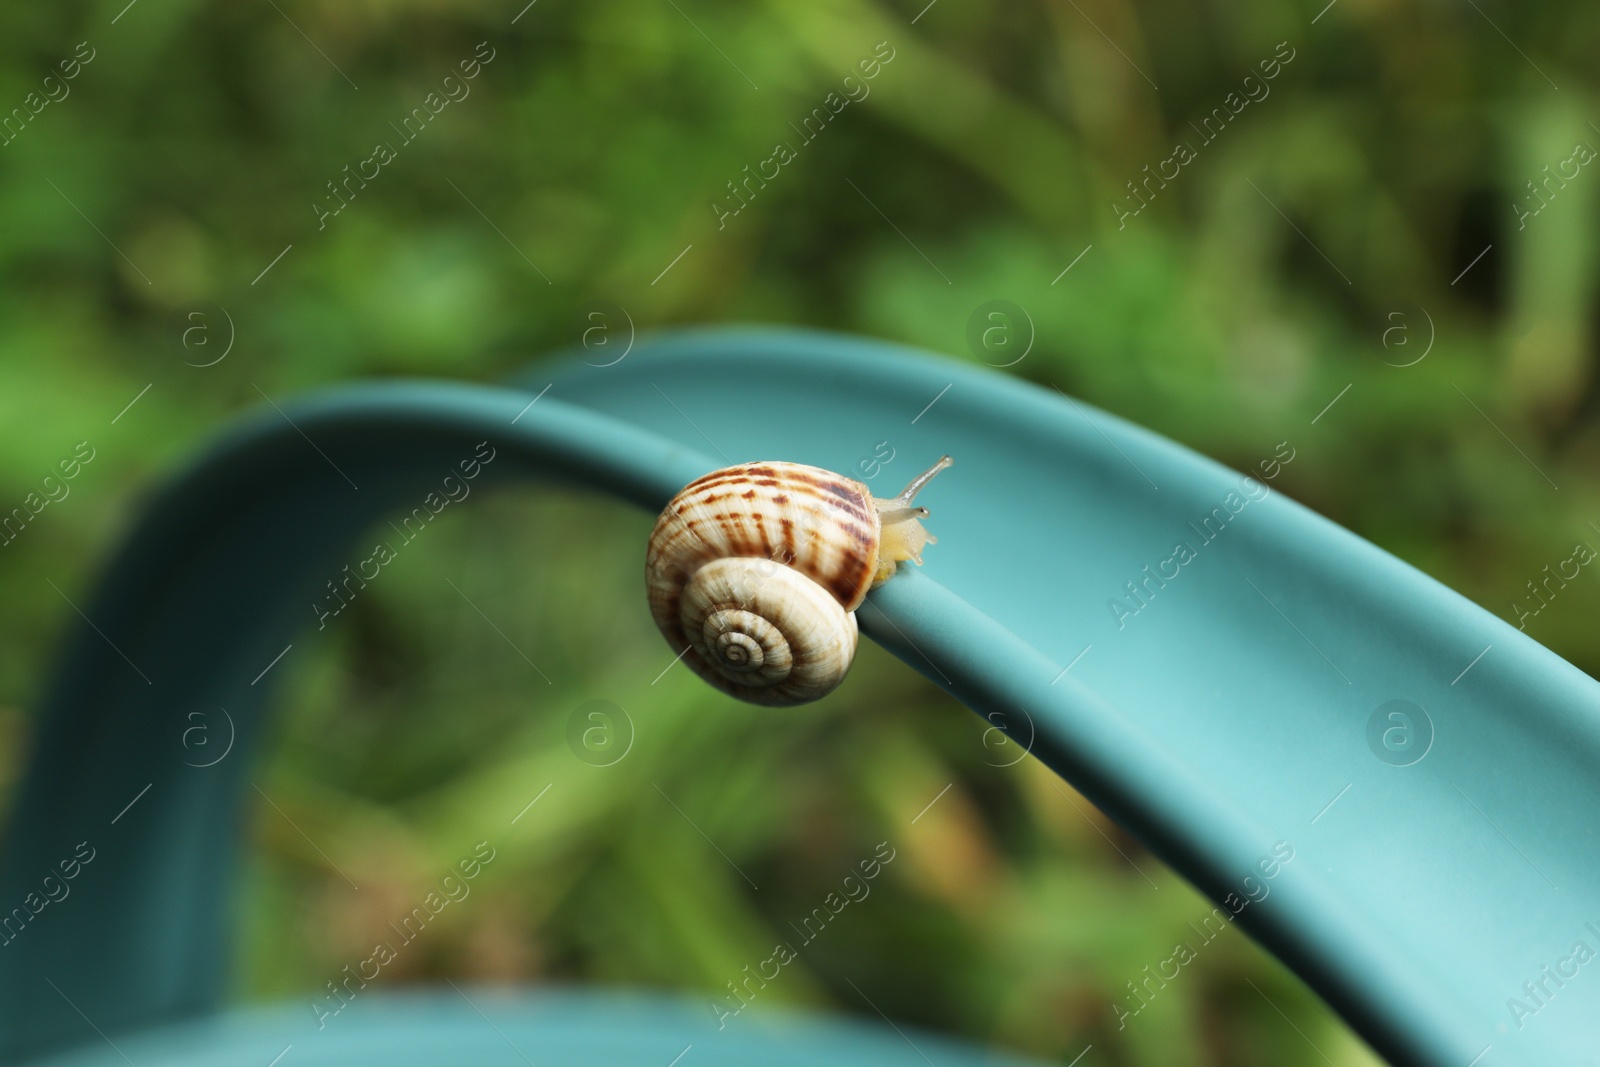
(903, 537)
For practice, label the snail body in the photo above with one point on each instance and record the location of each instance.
(754, 573)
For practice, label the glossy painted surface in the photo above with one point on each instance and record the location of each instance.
(486, 1028)
(1240, 706)
(1441, 859)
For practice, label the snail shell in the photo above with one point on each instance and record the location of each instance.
(754, 573)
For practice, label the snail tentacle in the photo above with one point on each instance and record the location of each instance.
(902, 535)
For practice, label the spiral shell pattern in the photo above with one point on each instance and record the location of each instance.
(755, 570)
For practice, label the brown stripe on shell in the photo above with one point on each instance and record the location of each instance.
(746, 472)
(849, 494)
(828, 525)
(787, 525)
(768, 475)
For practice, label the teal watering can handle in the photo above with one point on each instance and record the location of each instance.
(207, 592)
(1213, 726)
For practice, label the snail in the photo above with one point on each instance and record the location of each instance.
(755, 571)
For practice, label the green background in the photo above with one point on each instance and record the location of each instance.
(1327, 238)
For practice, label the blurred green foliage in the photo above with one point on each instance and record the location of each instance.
(1260, 282)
